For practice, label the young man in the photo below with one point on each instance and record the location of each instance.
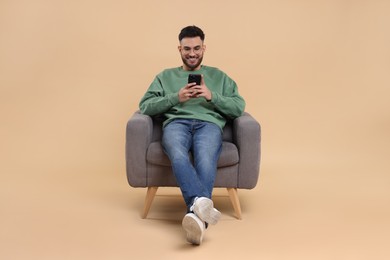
(195, 116)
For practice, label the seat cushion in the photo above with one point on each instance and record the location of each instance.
(229, 155)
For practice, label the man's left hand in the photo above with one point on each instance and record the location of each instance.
(201, 91)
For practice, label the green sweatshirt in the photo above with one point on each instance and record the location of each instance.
(162, 97)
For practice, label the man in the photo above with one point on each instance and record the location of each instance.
(195, 116)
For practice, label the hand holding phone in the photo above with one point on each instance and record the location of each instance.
(198, 90)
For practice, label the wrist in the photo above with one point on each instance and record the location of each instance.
(209, 97)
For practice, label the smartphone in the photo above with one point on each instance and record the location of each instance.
(195, 78)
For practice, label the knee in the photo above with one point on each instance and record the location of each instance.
(176, 153)
(179, 156)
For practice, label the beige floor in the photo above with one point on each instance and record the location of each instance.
(314, 73)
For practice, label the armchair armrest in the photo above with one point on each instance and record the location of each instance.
(247, 137)
(138, 137)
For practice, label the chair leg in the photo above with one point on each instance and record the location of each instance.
(148, 200)
(233, 196)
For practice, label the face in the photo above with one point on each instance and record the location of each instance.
(191, 51)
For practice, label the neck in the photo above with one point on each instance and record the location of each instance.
(190, 69)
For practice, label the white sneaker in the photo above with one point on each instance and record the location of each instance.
(194, 227)
(204, 208)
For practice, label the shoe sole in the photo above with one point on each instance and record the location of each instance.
(193, 229)
(204, 209)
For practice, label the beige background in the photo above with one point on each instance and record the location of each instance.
(314, 73)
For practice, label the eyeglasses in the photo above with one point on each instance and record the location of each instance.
(196, 50)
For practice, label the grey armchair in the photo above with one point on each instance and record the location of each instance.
(148, 166)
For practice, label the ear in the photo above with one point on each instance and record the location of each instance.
(204, 47)
(179, 48)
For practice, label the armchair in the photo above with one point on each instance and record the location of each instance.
(147, 165)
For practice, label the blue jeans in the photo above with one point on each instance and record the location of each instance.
(204, 141)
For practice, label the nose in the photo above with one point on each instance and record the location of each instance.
(192, 53)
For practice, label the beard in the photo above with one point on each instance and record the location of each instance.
(191, 65)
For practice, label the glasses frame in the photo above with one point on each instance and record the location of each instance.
(187, 50)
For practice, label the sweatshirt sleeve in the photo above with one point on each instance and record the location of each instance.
(156, 101)
(230, 103)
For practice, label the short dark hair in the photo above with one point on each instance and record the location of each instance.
(191, 32)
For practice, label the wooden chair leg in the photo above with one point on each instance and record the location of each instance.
(233, 196)
(148, 200)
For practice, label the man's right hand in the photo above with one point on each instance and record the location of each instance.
(185, 93)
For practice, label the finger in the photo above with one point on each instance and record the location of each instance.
(190, 85)
(200, 94)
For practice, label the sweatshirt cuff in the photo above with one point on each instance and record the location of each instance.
(214, 97)
(173, 99)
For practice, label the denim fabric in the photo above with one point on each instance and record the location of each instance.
(204, 141)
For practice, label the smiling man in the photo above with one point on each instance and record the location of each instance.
(194, 118)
